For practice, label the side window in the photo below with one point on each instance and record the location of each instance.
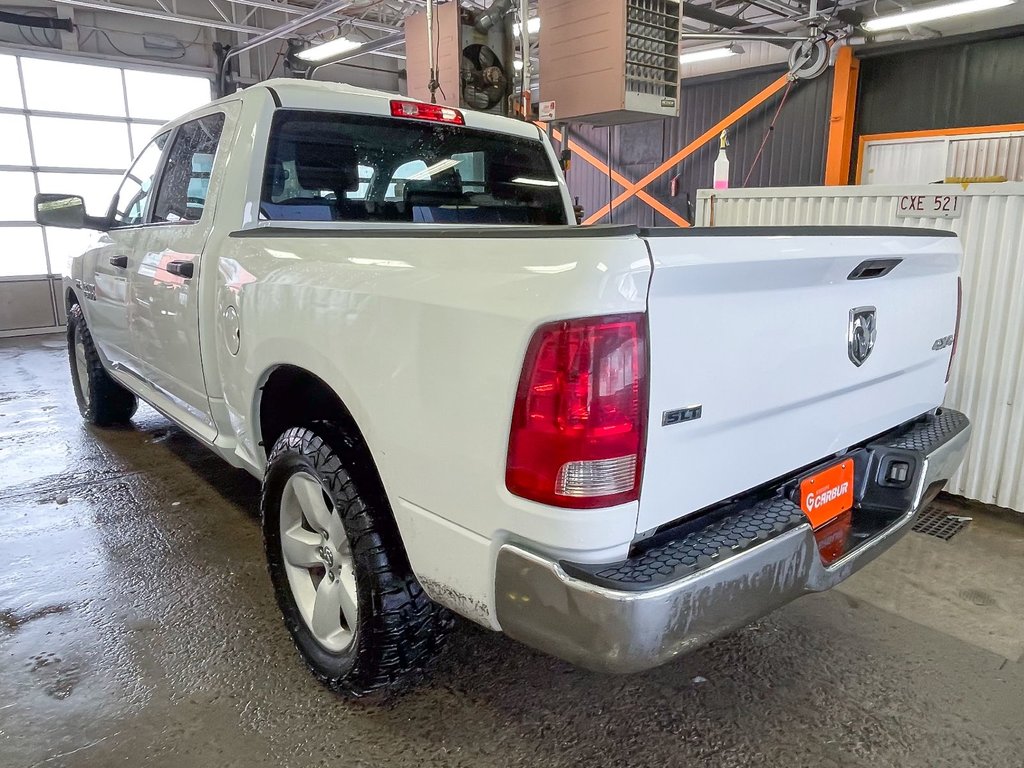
(186, 178)
(134, 192)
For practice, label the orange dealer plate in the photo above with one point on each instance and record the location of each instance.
(827, 494)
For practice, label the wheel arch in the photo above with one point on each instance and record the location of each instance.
(292, 396)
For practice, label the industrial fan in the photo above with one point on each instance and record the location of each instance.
(483, 79)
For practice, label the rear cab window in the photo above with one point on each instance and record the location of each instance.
(331, 166)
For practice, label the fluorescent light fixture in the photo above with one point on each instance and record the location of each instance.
(534, 182)
(708, 54)
(328, 50)
(932, 13)
(438, 167)
(532, 26)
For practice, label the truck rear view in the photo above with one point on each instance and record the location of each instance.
(775, 413)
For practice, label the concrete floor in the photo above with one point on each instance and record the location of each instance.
(137, 627)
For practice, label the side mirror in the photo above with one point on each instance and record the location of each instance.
(67, 211)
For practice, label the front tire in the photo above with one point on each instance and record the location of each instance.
(356, 612)
(101, 400)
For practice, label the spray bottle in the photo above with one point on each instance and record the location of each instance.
(722, 164)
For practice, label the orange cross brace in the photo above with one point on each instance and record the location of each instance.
(732, 118)
(618, 178)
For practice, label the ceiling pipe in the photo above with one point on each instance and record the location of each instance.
(741, 36)
(526, 108)
(274, 34)
(287, 28)
(714, 18)
(162, 16)
(372, 46)
(492, 15)
(294, 10)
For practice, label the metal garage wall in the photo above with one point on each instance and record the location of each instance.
(638, 148)
(956, 83)
(988, 376)
(30, 305)
(974, 156)
(934, 158)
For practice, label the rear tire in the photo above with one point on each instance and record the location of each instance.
(101, 400)
(329, 536)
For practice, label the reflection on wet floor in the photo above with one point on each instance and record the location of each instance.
(137, 627)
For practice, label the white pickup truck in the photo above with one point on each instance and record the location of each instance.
(612, 444)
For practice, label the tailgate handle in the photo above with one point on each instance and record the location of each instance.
(873, 268)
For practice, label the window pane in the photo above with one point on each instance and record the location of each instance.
(158, 96)
(97, 188)
(436, 173)
(142, 134)
(16, 193)
(138, 184)
(10, 85)
(14, 141)
(23, 252)
(64, 244)
(80, 143)
(67, 86)
(404, 171)
(186, 179)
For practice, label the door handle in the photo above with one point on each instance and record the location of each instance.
(181, 268)
(121, 262)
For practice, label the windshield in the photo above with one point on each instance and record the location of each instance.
(327, 166)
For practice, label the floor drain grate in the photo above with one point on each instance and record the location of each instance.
(937, 523)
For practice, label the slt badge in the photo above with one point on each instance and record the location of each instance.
(861, 334)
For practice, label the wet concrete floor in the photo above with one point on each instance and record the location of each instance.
(137, 627)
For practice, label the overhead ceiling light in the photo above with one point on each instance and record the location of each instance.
(431, 171)
(534, 182)
(328, 50)
(710, 53)
(932, 13)
(532, 26)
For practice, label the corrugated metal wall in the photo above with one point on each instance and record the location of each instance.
(988, 376)
(955, 84)
(638, 148)
(980, 156)
(926, 160)
(908, 161)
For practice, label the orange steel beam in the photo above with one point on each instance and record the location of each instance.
(731, 119)
(844, 108)
(618, 178)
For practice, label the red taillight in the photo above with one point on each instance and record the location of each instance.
(577, 437)
(417, 110)
(956, 328)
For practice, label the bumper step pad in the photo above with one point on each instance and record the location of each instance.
(696, 544)
(927, 435)
(694, 551)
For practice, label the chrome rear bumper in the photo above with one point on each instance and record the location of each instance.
(630, 629)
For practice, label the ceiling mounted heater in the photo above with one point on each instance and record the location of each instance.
(608, 62)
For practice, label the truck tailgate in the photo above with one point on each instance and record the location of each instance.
(754, 331)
